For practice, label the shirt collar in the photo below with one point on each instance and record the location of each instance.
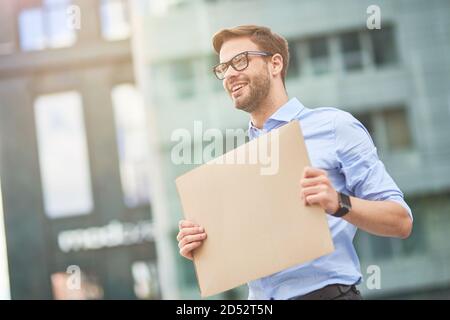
(286, 113)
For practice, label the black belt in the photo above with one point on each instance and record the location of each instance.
(330, 292)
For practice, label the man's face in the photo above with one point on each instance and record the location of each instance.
(249, 87)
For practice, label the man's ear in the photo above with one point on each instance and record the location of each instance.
(277, 64)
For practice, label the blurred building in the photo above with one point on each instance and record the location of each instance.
(395, 80)
(75, 160)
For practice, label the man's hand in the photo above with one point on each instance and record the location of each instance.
(316, 188)
(189, 237)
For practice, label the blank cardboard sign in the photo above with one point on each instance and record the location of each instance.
(251, 210)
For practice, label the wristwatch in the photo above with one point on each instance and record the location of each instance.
(344, 205)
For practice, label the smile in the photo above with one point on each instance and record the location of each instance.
(235, 89)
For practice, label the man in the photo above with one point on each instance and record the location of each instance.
(347, 178)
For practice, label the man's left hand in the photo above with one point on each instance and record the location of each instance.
(316, 188)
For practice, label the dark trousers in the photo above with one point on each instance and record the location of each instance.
(332, 292)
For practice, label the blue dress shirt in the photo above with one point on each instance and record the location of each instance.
(339, 144)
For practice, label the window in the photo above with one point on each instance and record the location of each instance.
(46, 26)
(162, 7)
(366, 120)
(397, 129)
(211, 61)
(319, 55)
(115, 19)
(32, 36)
(294, 64)
(431, 223)
(388, 127)
(383, 248)
(132, 142)
(63, 155)
(351, 51)
(424, 207)
(384, 50)
(158, 77)
(183, 78)
(175, 4)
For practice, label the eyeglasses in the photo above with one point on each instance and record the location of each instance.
(239, 62)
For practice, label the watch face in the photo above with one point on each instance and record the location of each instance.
(344, 201)
(346, 206)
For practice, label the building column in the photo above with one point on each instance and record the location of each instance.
(90, 27)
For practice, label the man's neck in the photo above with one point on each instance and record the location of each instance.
(268, 108)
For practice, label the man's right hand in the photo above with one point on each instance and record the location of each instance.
(189, 237)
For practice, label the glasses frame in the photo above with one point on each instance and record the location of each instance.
(246, 54)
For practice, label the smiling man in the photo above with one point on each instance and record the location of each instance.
(346, 179)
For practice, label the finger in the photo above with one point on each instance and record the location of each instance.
(310, 172)
(315, 198)
(193, 238)
(186, 223)
(313, 190)
(189, 231)
(186, 251)
(307, 182)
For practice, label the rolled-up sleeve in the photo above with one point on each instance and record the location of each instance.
(365, 175)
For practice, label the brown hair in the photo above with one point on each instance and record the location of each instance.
(263, 37)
